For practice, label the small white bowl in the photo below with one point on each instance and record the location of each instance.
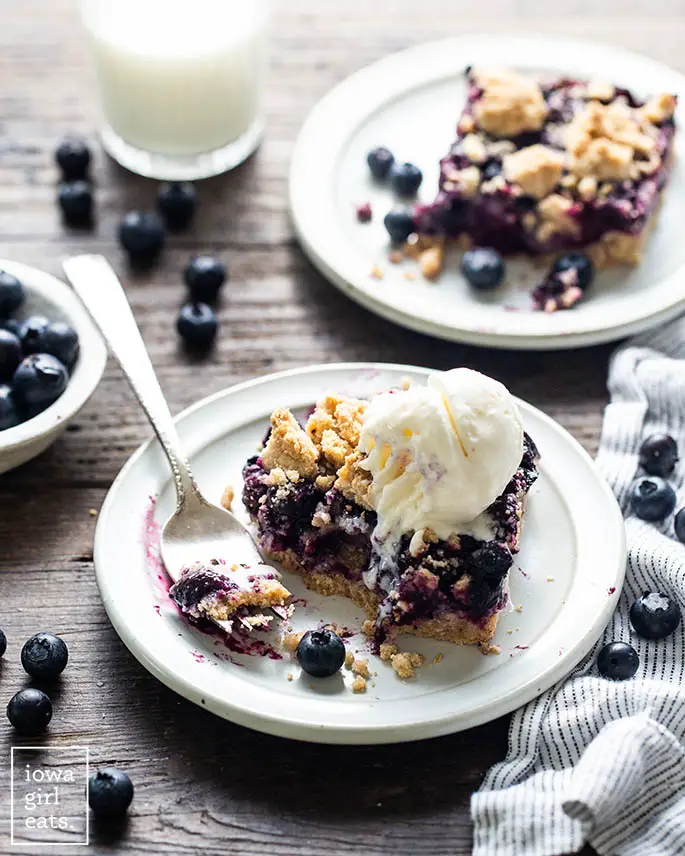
(46, 295)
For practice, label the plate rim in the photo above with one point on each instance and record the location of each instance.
(374, 733)
(299, 203)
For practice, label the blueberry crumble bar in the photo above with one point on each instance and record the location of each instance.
(545, 166)
(249, 597)
(409, 503)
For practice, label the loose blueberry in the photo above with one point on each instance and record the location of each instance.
(11, 294)
(380, 160)
(204, 276)
(44, 656)
(618, 661)
(654, 615)
(10, 354)
(400, 225)
(652, 498)
(3, 643)
(31, 333)
(197, 324)
(483, 267)
(73, 158)
(321, 653)
(659, 455)
(580, 263)
(405, 179)
(39, 381)
(75, 198)
(12, 325)
(60, 340)
(142, 235)
(176, 203)
(9, 415)
(679, 525)
(110, 792)
(30, 711)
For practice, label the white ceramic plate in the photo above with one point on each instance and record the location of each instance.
(410, 102)
(573, 556)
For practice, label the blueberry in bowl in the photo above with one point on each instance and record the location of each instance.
(61, 360)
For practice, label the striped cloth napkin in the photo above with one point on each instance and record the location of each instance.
(597, 761)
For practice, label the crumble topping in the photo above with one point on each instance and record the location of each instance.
(603, 140)
(349, 659)
(359, 685)
(474, 148)
(467, 180)
(289, 447)
(555, 217)
(291, 641)
(510, 103)
(599, 90)
(659, 108)
(536, 169)
(432, 261)
(405, 664)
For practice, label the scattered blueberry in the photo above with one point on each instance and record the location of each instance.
(204, 276)
(110, 792)
(11, 294)
(3, 643)
(30, 711)
(405, 179)
(39, 381)
(400, 225)
(44, 656)
(9, 416)
(659, 455)
(10, 354)
(618, 661)
(73, 158)
(31, 333)
(654, 615)
(483, 267)
(652, 498)
(176, 203)
(679, 525)
(75, 198)
(321, 653)
(60, 340)
(142, 235)
(578, 262)
(380, 160)
(12, 325)
(197, 324)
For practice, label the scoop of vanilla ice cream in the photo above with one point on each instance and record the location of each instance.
(440, 454)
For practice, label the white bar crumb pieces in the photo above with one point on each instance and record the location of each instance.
(359, 685)
(349, 659)
(227, 497)
(291, 641)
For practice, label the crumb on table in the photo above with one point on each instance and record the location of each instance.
(92, 512)
(359, 685)
(404, 664)
(388, 650)
(361, 667)
(291, 641)
(227, 497)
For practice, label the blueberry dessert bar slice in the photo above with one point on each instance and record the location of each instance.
(544, 166)
(409, 503)
(249, 597)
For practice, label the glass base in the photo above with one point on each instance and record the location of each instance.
(181, 167)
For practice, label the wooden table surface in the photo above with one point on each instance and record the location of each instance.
(204, 786)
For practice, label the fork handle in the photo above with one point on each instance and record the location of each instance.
(105, 299)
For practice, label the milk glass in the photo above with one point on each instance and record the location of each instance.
(181, 82)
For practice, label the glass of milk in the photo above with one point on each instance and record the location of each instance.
(181, 82)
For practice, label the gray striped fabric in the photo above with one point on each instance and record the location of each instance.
(597, 761)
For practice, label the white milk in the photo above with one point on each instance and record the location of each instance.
(179, 77)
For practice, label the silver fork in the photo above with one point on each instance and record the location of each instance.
(197, 531)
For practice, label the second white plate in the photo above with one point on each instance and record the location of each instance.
(566, 581)
(410, 102)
